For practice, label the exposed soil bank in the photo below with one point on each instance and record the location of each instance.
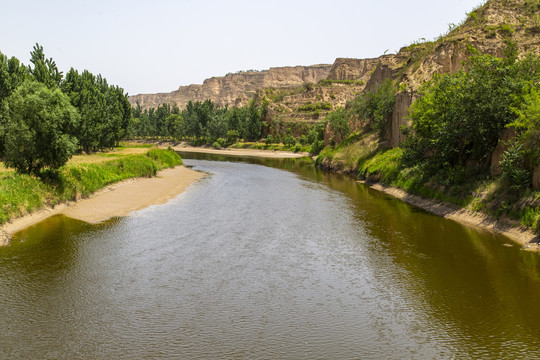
(527, 239)
(268, 154)
(243, 152)
(115, 200)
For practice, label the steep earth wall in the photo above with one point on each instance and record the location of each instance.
(235, 89)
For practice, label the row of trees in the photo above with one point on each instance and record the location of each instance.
(45, 118)
(200, 120)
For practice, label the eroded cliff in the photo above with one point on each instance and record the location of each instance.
(236, 89)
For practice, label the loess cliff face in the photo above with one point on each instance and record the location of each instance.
(236, 89)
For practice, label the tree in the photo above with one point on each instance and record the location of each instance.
(250, 124)
(338, 120)
(460, 117)
(45, 70)
(40, 127)
(376, 106)
(12, 74)
(86, 95)
(217, 127)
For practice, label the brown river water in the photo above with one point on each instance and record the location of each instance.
(268, 259)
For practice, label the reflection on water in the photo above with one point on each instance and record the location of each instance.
(254, 262)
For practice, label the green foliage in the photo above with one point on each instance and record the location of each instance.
(329, 82)
(506, 29)
(528, 124)
(316, 147)
(232, 136)
(338, 120)
(530, 217)
(307, 86)
(386, 165)
(200, 122)
(315, 106)
(39, 131)
(376, 106)
(22, 193)
(289, 140)
(459, 117)
(45, 70)
(514, 168)
(105, 111)
(164, 158)
(269, 139)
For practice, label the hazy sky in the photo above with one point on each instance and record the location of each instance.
(157, 45)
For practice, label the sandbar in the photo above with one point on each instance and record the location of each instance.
(115, 200)
(242, 152)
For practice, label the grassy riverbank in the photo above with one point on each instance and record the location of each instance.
(21, 194)
(476, 191)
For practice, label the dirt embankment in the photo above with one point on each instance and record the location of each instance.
(527, 239)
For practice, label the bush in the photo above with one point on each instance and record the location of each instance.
(376, 106)
(232, 136)
(338, 120)
(514, 168)
(289, 140)
(459, 117)
(39, 129)
(316, 147)
(315, 106)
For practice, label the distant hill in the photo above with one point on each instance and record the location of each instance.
(487, 29)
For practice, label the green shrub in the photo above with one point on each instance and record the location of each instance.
(506, 30)
(315, 106)
(316, 147)
(289, 140)
(514, 168)
(376, 106)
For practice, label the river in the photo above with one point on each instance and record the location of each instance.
(268, 259)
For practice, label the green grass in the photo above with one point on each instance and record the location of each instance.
(347, 156)
(272, 147)
(21, 194)
(461, 187)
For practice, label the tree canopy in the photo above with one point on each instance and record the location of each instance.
(34, 108)
(39, 131)
(459, 117)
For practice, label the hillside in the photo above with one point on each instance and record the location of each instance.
(488, 29)
(235, 89)
(303, 95)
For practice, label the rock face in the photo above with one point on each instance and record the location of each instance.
(399, 117)
(352, 69)
(536, 178)
(235, 89)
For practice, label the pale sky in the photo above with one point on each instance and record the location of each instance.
(157, 45)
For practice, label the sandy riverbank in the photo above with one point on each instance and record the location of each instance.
(115, 200)
(242, 152)
(527, 239)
